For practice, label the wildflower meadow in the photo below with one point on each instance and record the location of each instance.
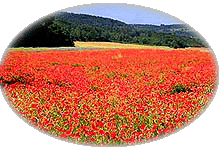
(108, 96)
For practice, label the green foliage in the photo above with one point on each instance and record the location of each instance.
(54, 63)
(82, 121)
(125, 75)
(96, 68)
(94, 88)
(111, 75)
(77, 65)
(178, 88)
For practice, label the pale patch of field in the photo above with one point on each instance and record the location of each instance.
(113, 45)
(199, 49)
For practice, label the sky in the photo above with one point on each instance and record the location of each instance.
(129, 14)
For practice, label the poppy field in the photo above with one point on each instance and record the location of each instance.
(104, 97)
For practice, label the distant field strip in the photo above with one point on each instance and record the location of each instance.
(102, 45)
(113, 45)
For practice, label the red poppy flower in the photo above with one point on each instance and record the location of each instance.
(100, 124)
(34, 105)
(142, 126)
(113, 135)
(92, 140)
(76, 115)
(102, 132)
(68, 132)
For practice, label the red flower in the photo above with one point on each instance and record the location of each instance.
(76, 115)
(61, 130)
(94, 127)
(63, 136)
(68, 132)
(54, 99)
(36, 99)
(85, 128)
(92, 140)
(77, 135)
(84, 106)
(125, 126)
(63, 115)
(34, 105)
(122, 132)
(155, 126)
(101, 132)
(39, 110)
(113, 135)
(100, 124)
(91, 133)
(46, 121)
(121, 113)
(142, 126)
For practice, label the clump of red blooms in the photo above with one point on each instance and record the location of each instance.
(109, 96)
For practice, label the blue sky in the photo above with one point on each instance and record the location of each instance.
(130, 14)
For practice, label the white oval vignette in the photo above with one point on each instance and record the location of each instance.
(201, 132)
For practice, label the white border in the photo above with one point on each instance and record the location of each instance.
(202, 16)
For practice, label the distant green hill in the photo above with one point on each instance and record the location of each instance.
(63, 28)
(179, 29)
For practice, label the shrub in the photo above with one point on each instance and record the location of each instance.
(112, 74)
(178, 88)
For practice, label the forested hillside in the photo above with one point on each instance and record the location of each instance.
(179, 29)
(63, 28)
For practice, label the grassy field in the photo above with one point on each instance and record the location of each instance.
(102, 45)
